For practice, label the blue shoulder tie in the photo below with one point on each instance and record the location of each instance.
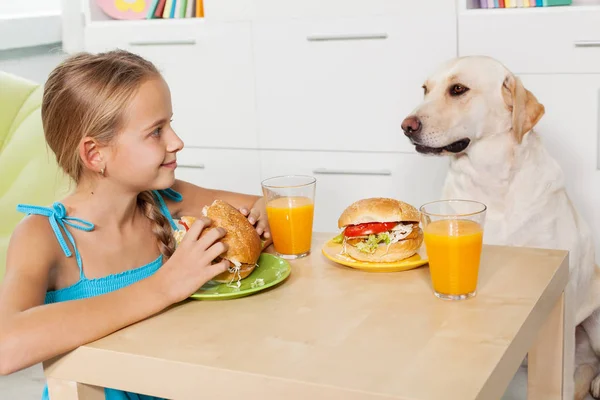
(171, 194)
(57, 215)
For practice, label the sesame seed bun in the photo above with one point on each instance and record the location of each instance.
(378, 209)
(244, 242)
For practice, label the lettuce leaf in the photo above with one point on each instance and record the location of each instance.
(338, 239)
(370, 245)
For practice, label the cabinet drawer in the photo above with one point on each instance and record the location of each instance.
(127, 34)
(209, 71)
(554, 40)
(259, 9)
(232, 170)
(343, 178)
(344, 84)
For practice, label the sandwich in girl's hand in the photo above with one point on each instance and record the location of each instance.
(380, 230)
(244, 242)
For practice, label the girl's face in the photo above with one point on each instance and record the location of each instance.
(143, 155)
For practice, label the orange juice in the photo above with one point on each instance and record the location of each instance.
(454, 251)
(291, 222)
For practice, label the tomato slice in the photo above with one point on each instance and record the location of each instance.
(187, 228)
(187, 222)
(368, 228)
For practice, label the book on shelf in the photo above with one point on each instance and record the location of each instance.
(190, 8)
(522, 3)
(154, 9)
(167, 11)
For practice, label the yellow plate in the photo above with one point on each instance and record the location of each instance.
(332, 251)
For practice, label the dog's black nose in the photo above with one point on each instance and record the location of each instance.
(411, 125)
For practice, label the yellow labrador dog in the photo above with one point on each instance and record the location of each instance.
(478, 113)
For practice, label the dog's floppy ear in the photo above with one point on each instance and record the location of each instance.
(526, 110)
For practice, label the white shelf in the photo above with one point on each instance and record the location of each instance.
(140, 23)
(472, 7)
(94, 14)
(529, 10)
(27, 30)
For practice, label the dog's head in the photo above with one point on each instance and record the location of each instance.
(467, 99)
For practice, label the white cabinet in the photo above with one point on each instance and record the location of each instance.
(319, 87)
(208, 67)
(536, 40)
(232, 169)
(343, 178)
(346, 83)
(284, 9)
(569, 130)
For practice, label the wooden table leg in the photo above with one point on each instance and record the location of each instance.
(59, 389)
(552, 356)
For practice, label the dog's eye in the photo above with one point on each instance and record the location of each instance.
(424, 89)
(457, 90)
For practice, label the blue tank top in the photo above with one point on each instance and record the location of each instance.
(84, 287)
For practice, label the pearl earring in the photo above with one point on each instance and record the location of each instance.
(102, 171)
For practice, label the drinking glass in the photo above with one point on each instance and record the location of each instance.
(453, 236)
(290, 210)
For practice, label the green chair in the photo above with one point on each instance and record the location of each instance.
(28, 169)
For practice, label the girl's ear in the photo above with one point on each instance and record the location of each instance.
(91, 155)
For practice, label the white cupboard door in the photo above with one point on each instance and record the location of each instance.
(566, 39)
(232, 170)
(285, 9)
(352, 8)
(570, 131)
(209, 70)
(343, 178)
(346, 84)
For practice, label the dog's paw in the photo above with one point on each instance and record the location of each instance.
(595, 387)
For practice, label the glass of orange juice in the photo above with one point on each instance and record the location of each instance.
(290, 209)
(453, 235)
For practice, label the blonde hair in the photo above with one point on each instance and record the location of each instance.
(86, 96)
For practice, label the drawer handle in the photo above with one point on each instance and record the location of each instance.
(587, 43)
(163, 42)
(196, 166)
(598, 130)
(326, 171)
(349, 36)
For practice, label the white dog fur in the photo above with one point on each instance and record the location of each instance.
(506, 166)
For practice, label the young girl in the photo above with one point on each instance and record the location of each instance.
(105, 256)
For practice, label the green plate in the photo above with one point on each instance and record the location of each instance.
(271, 270)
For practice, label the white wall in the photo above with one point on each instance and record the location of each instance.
(34, 63)
(12, 7)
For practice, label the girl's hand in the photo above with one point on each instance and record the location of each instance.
(191, 265)
(258, 216)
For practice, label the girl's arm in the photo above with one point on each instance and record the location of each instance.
(195, 198)
(31, 332)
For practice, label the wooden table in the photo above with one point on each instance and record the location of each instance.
(331, 332)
